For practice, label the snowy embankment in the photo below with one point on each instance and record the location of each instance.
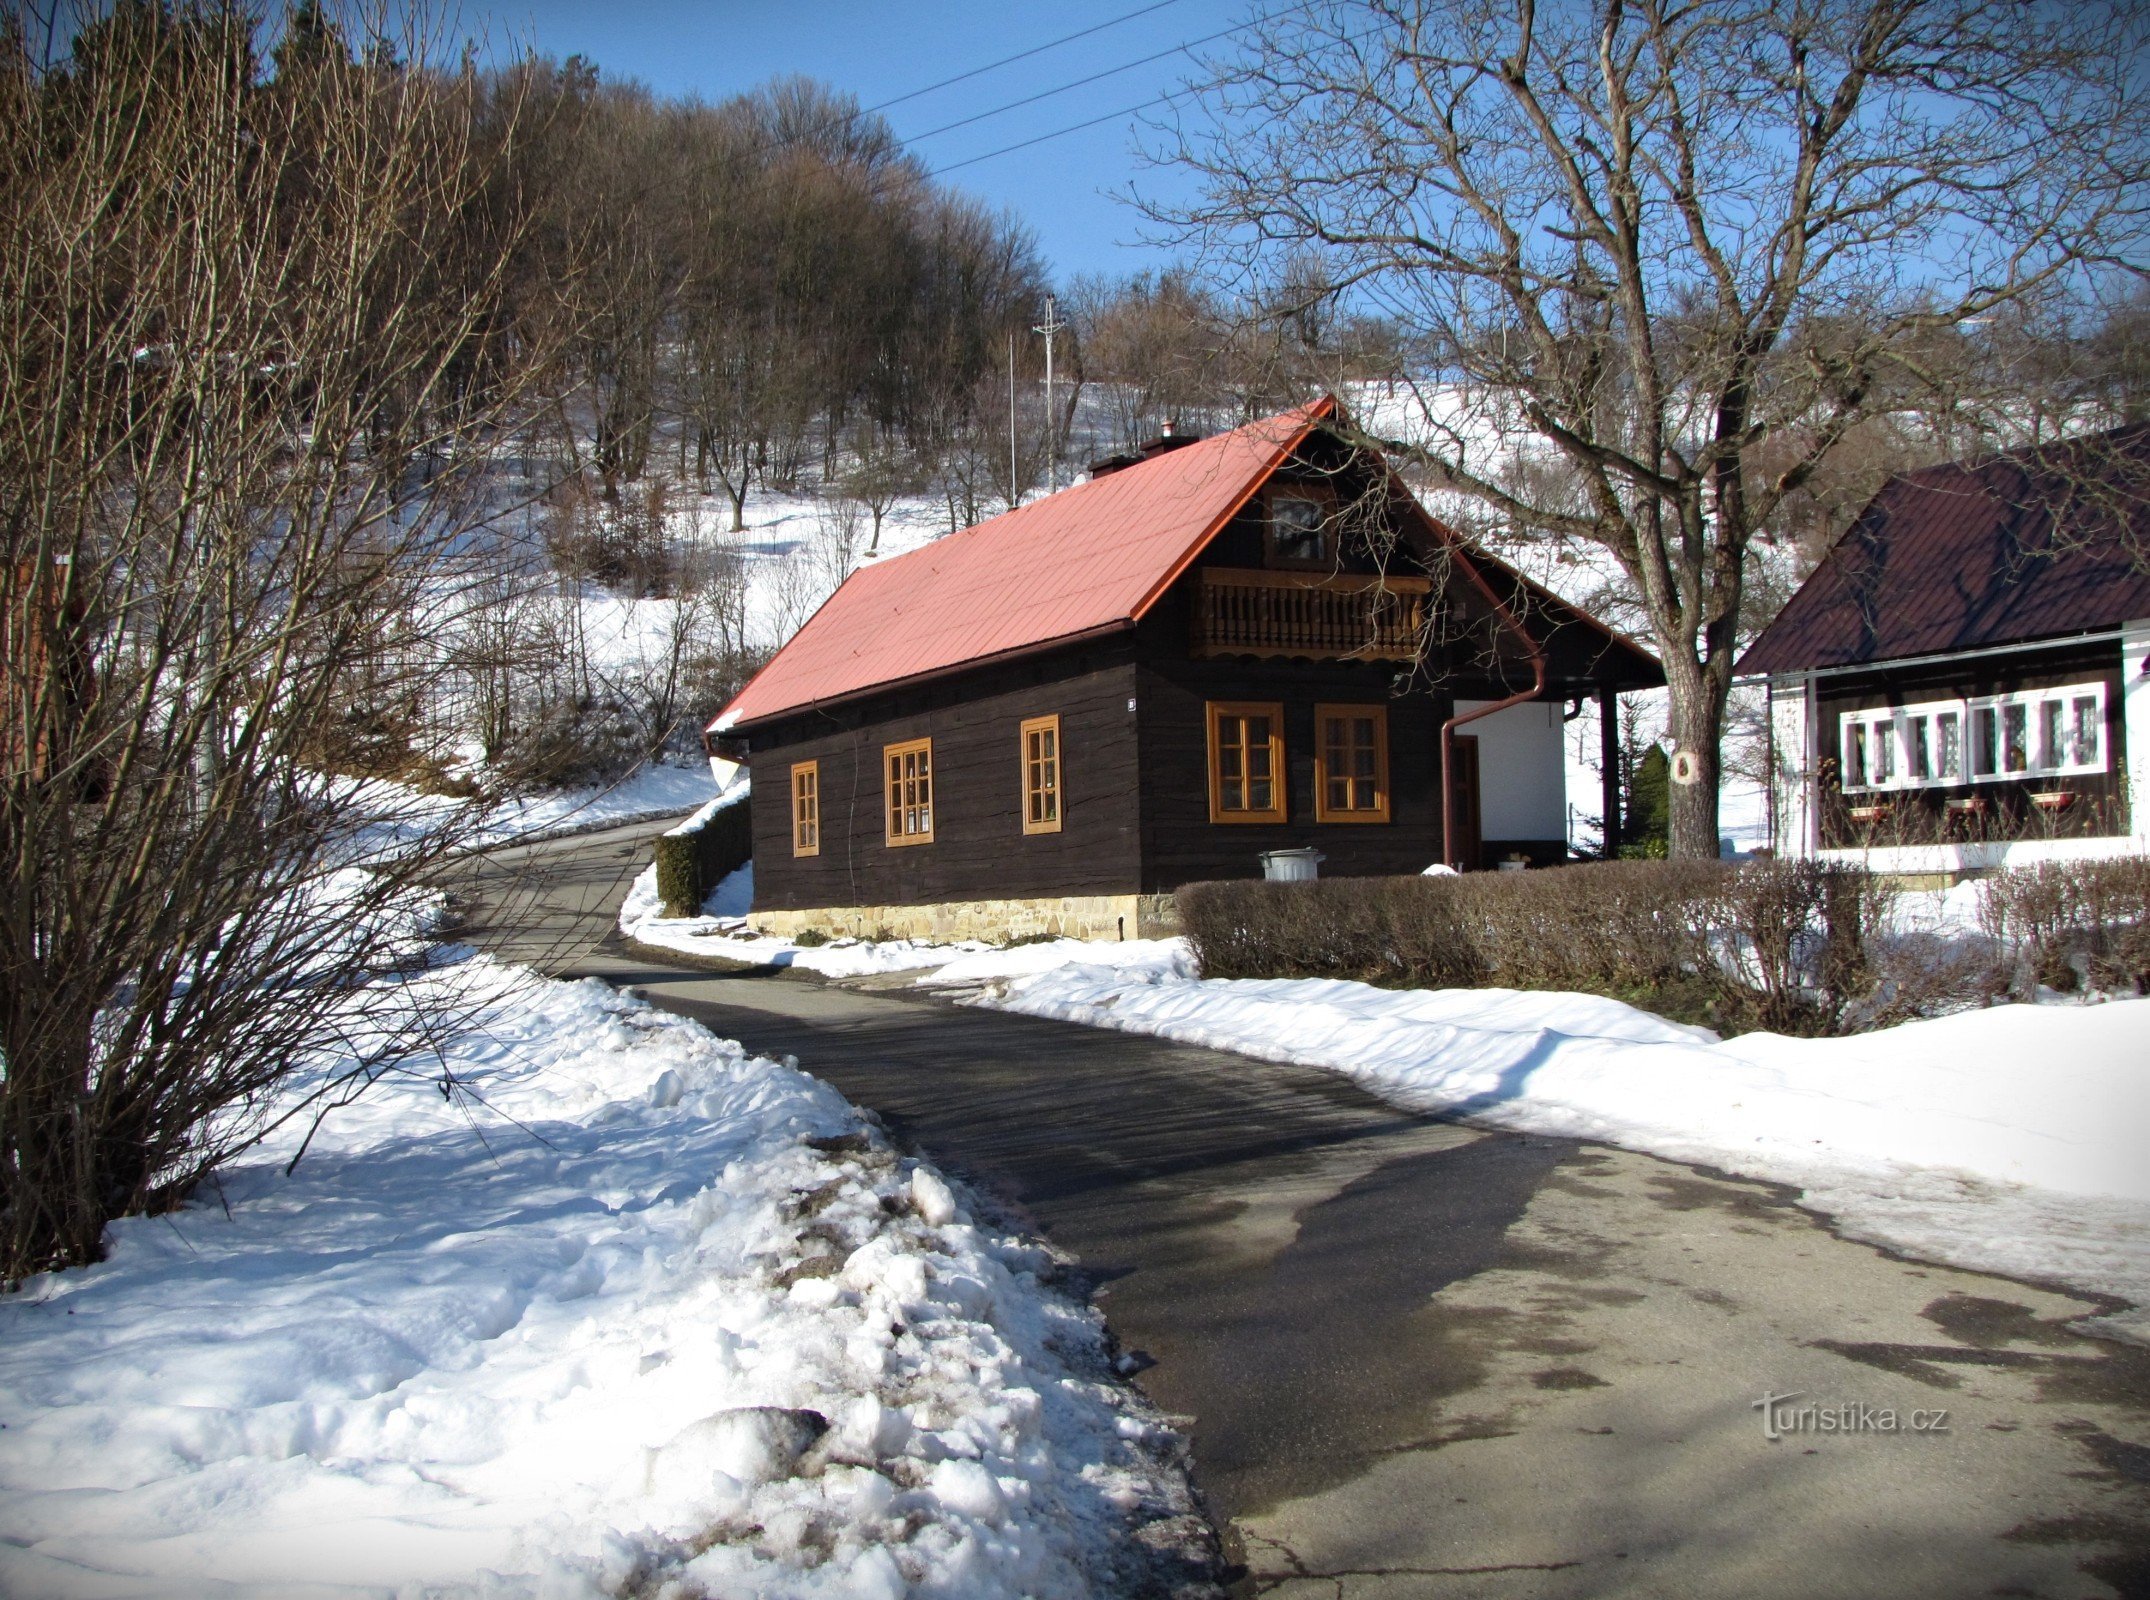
(2008, 1139)
(588, 1302)
(400, 816)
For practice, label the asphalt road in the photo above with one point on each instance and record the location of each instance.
(1420, 1358)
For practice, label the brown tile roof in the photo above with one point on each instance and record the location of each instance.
(2035, 545)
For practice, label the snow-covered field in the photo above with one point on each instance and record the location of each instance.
(589, 1302)
(2008, 1139)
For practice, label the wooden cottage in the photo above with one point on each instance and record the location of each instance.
(1210, 650)
(1961, 683)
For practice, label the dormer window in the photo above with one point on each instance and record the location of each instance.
(1300, 530)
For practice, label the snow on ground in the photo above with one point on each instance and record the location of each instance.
(564, 1310)
(651, 791)
(2007, 1139)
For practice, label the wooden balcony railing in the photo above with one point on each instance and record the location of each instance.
(1324, 618)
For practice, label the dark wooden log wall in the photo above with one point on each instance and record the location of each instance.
(1179, 842)
(979, 850)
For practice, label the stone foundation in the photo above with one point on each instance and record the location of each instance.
(1096, 916)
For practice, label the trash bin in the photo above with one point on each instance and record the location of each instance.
(1292, 866)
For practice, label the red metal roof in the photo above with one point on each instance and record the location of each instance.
(1090, 558)
(2031, 546)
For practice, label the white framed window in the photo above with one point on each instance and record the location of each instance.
(2031, 733)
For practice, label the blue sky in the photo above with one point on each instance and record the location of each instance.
(879, 51)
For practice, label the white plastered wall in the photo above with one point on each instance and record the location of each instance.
(1522, 771)
(1792, 733)
(2135, 721)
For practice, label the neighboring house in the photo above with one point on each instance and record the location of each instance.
(1210, 650)
(1960, 685)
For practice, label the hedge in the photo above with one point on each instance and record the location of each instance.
(1791, 946)
(692, 863)
(2067, 922)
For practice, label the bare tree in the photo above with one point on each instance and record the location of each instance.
(1686, 249)
(255, 363)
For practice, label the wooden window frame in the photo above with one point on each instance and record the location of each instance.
(893, 808)
(1215, 712)
(1028, 768)
(1323, 716)
(1320, 494)
(805, 829)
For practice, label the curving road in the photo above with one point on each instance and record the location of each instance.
(1420, 1358)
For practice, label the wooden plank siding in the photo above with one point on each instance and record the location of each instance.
(2103, 804)
(979, 850)
(1181, 845)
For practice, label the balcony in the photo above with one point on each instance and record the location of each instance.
(1312, 616)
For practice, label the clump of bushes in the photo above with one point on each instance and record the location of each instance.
(692, 863)
(2066, 924)
(1795, 947)
(1801, 947)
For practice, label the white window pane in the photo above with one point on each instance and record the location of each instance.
(2085, 741)
(1949, 766)
(2015, 739)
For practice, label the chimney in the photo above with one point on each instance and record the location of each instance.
(1168, 439)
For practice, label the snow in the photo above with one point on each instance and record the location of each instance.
(588, 1302)
(652, 790)
(2006, 1139)
(396, 815)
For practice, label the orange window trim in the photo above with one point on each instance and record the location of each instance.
(908, 768)
(1044, 771)
(1340, 776)
(1240, 758)
(806, 808)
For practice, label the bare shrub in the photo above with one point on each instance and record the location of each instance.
(257, 363)
(1796, 947)
(2065, 923)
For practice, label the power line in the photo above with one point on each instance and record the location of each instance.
(1165, 99)
(1020, 55)
(1109, 72)
(1073, 127)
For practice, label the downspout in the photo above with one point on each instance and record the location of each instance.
(1448, 728)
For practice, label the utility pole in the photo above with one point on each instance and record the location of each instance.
(1015, 488)
(1050, 326)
